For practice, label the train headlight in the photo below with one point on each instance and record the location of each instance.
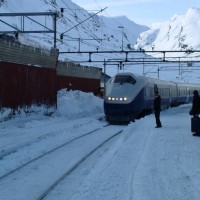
(123, 98)
(117, 98)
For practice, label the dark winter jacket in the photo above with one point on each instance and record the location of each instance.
(195, 105)
(157, 102)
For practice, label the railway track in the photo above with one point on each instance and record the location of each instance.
(44, 154)
(36, 167)
(68, 171)
(7, 149)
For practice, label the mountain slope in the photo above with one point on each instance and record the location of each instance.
(181, 32)
(82, 30)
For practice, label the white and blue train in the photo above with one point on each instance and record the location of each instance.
(129, 96)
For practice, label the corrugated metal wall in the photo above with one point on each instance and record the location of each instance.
(75, 77)
(75, 83)
(22, 85)
(29, 75)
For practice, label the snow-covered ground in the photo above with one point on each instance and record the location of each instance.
(143, 163)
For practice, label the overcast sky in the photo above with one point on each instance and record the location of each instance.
(143, 12)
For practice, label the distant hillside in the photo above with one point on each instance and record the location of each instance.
(82, 30)
(181, 32)
(87, 31)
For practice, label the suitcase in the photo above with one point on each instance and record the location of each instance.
(195, 125)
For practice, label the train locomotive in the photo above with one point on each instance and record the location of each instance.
(129, 96)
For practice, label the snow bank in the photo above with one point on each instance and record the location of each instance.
(77, 103)
(70, 104)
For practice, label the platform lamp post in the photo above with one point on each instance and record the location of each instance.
(122, 30)
(104, 80)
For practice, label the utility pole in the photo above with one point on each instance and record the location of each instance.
(122, 30)
(104, 66)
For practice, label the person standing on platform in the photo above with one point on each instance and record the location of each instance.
(157, 109)
(195, 111)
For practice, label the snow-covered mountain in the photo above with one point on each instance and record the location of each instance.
(82, 30)
(181, 32)
(87, 31)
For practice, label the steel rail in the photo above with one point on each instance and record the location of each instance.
(51, 187)
(46, 153)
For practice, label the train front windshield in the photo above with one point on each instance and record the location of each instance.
(124, 79)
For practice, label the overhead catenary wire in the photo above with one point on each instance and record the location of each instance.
(90, 31)
(84, 27)
(78, 18)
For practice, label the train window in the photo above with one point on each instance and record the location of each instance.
(125, 79)
(167, 92)
(151, 92)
